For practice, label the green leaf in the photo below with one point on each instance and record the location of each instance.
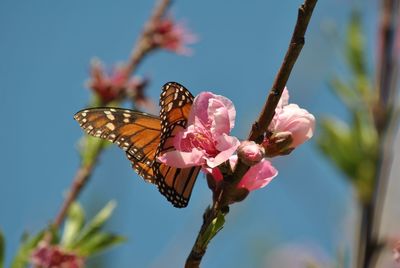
(99, 242)
(212, 230)
(355, 45)
(353, 150)
(336, 142)
(73, 224)
(24, 252)
(356, 56)
(2, 249)
(95, 225)
(347, 94)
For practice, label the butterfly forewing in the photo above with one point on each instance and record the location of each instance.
(175, 184)
(136, 133)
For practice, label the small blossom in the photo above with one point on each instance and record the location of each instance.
(108, 87)
(250, 152)
(50, 256)
(291, 118)
(173, 36)
(257, 177)
(206, 141)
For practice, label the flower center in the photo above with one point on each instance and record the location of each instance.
(203, 141)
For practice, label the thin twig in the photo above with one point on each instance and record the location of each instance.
(144, 44)
(140, 50)
(259, 127)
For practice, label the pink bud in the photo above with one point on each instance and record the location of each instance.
(299, 122)
(250, 152)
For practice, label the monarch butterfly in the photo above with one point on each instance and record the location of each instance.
(144, 137)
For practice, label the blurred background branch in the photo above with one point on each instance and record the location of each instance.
(363, 148)
(143, 46)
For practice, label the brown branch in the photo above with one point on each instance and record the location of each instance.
(81, 178)
(144, 44)
(140, 50)
(293, 52)
(258, 129)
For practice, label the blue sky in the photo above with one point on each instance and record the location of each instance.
(45, 51)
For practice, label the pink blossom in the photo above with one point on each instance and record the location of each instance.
(258, 176)
(206, 141)
(107, 86)
(291, 118)
(173, 36)
(250, 152)
(111, 86)
(51, 256)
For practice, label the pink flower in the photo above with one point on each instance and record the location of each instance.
(50, 256)
(257, 177)
(108, 87)
(291, 118)
(250, 152)
(206, 141)
(173, 36)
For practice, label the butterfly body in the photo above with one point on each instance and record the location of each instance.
(144, 137)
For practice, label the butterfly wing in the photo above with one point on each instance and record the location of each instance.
(175, 184)
(138, 134)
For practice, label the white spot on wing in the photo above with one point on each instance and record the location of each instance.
(111, 117)
(169, 106)
(110, 126)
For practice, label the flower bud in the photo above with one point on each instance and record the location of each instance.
(278, 144)
(250, 152)
(299, 122)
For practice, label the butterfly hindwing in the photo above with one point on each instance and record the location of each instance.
(175, 184)
(138, 134)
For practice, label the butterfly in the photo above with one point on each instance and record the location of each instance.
(144, 137)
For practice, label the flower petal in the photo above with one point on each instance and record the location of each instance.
(219, 118)
(258, 176)
(227, 145)
(182, 159)
(284, 100)
(199, 108)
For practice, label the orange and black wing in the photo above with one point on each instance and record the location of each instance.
(175, 184)
(138, 134)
